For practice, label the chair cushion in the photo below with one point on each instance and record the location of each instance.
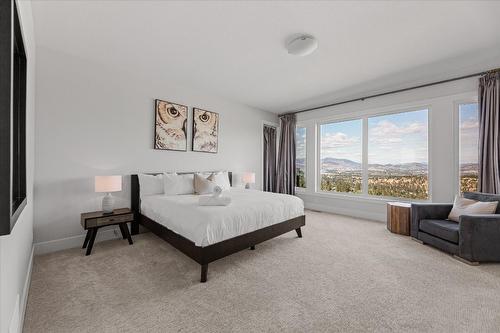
(443, 229)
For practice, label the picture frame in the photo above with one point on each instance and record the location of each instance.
(205, 131)
(170, 126)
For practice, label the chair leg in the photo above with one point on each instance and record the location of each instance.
(465, 261)
(204, 273)
(299, 232)
(418, 240)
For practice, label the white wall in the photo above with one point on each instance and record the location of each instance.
(16, 248)
(441, 100)
(94, 119)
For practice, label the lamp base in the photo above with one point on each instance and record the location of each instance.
(107, 203)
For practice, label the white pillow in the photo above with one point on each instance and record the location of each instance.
(178, 184)
(221, 179)
(203, 185)
(150, 184)
(185, 184)
(463, 206)
(170, 183)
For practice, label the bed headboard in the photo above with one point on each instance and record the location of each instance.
(135, 198)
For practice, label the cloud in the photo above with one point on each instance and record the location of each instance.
(338, 140)
(386, 132)
(469, 124)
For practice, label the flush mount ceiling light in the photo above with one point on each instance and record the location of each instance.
(302, 45)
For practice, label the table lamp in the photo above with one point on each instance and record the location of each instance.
(248, 178)
(108, 184)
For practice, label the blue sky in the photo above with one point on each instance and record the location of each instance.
(395, 138)
(398, 138)
(469, 132)
(300, 135)
(342, 140)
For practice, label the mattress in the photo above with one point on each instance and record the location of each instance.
(249, 210)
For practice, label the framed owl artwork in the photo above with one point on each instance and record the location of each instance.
(205, 131)
(170, 126)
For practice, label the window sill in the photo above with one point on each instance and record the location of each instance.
(359, 197)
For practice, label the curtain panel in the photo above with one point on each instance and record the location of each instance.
(286, 156)
(489, 125)
(269, 159)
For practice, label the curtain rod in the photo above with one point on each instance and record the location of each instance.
(393, 92)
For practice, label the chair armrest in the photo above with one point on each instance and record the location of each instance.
(420, 211)
(479, 238)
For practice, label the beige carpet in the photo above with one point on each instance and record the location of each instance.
(345, 275)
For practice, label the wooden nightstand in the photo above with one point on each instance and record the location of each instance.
(95, 220)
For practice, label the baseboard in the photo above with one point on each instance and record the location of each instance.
(74, 241)
(26, 289)
(17, 319)
(346, 211)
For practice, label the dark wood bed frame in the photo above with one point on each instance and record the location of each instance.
(208, 254)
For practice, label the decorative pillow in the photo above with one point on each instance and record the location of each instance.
(150, 184)
(221, 179)
(463, 206)
(203, 185)
(170, 183)
(185, 184)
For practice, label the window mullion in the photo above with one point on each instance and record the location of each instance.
(364, 152)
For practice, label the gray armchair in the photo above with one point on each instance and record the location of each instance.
(476, 238)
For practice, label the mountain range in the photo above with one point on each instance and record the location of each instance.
(342, 164)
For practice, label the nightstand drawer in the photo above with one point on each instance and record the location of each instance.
(101, 221)
(114, 219)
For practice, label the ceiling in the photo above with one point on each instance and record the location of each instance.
(236, 49)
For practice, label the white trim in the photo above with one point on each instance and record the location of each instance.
(74, 241)
(362, 197)
(364, 156)
(24, 296)
(363, 214)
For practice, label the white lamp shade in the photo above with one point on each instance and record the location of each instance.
(108, 183)
(248, 178)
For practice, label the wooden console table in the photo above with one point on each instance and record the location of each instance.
(398, 217)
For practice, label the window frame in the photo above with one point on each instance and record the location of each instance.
(456, 139)
(364, 116)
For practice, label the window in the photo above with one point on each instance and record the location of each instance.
(468, 136)
(398, 155)
(341, 156)
(384, 156)
(12, 118)
(300, 157)
(19, 120)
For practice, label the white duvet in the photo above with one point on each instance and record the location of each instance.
(205, 225)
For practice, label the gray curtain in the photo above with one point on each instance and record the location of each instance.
(285, 182)
(269, 159)
(489, 125)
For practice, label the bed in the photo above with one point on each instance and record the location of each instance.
(206, 234)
